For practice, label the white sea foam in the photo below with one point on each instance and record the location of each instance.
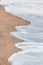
(27, 58)
(6, 2)
(36, 37)
(35, 16)
(27, 10)
(34, 3)
(29, 29)
(31, 10)
(30, 46)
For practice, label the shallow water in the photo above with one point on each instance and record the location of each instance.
(32, 47)
(27, 58)
(36, 37)
(29, 29)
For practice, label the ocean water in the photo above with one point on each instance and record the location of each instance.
(32, 35)
(36, 37)
(30, 46)
(27, 58)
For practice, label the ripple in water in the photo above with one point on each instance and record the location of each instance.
(32, 47)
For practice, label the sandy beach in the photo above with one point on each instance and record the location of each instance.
(7, 42)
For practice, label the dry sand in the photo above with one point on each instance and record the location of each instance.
(7, 24)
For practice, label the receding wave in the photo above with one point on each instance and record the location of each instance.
(32, 47)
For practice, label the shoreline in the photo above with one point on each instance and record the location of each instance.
(7, 42)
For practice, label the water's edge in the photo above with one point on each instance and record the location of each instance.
(32, 47)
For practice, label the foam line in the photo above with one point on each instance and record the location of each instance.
(36, 37)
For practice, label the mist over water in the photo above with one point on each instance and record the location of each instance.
(32, 47)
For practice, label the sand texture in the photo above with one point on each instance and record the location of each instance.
(7, 24)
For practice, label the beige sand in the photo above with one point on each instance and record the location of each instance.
(7, 24)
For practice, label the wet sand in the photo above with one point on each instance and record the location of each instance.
(7, 42)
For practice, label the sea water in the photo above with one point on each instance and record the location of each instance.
(32, 47)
